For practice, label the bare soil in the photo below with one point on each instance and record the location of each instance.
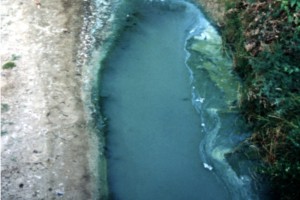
(46, 145)
(214, 9)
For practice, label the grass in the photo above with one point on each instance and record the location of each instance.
(265, 40)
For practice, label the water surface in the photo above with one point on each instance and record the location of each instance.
(154, 131)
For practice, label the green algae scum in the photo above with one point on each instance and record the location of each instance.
(166, 91)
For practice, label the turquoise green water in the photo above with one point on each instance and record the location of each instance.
(166, 137)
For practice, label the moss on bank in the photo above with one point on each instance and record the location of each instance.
(264, 37)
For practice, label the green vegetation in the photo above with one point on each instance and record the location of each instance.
(9, 65)
(4, 133)
(15, 57)
(4, 107)
(264, 37)
(3, 123)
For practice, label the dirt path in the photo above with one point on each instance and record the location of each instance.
(45, 141)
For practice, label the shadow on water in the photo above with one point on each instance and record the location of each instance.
(166, 89)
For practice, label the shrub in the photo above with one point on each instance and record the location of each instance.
(265, 40)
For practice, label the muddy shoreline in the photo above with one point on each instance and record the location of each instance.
(49, 150)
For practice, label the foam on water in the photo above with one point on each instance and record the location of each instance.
(216, 142)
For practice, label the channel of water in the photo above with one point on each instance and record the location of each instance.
(166, 89)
